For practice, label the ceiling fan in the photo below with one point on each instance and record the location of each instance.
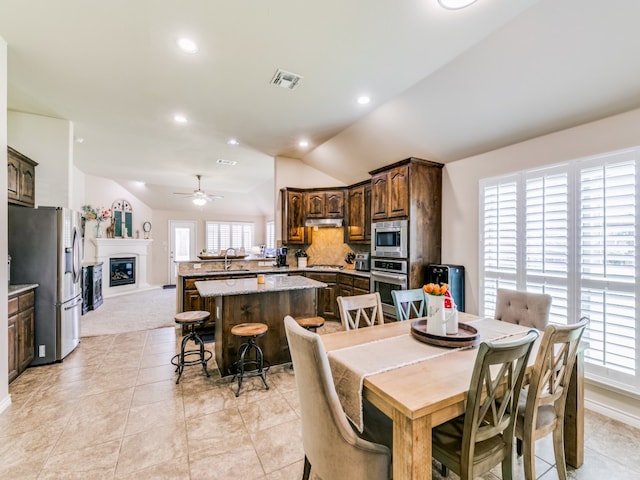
(200, 197)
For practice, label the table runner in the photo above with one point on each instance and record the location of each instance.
(350, 365)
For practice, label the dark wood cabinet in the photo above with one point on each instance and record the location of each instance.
(349, 285)
(21, 345)
(412, 189)
(390, 193)
(325, 203)
(326, 297)
(21, 181)
(91, 287)
(359, 213)
(293, 216)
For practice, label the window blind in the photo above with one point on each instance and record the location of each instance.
(224, 235)
(570, 230)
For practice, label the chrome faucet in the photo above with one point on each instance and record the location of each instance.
(227, 263)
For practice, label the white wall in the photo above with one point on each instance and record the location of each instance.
(48, 141)
(5, 400)
(460, 237)
(103, 192)
(161, 241)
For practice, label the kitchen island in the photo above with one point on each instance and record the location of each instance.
(244, 300)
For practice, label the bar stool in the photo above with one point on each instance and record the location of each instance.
(310, 323)
(250, 331)
(191, 320)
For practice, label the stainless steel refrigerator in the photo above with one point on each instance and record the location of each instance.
(45, 245)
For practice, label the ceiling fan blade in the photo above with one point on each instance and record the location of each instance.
(183, 193)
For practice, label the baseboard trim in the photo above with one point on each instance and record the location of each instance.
(614, 413)
(4, 404)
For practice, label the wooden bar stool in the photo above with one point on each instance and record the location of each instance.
(311, 323)
(250, 331)
(191, 320)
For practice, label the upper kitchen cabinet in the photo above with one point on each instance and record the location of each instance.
(359, 213)
(293, 229)
(21, 179)
(325, 203)
(390, 192)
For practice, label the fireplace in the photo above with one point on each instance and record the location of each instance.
(123, 271)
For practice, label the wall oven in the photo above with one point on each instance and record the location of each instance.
(390, 239)
(388, 275)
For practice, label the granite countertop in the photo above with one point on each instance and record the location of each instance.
(273, 271)
(21, 288)
(243, 286)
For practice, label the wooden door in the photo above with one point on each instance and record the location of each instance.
(25, 330)
(27, 184)
(13, 178)
(398, 201)
(293, 221)
(379, 196)
(367, 212)
(11, 344)
(334, 204)
(315, 204)
(356, 227)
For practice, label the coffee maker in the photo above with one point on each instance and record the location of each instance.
(281, 257)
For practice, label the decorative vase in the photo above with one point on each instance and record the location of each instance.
(436, 319)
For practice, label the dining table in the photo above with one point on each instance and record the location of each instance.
(422, 394)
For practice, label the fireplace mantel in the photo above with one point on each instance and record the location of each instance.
(107, 248)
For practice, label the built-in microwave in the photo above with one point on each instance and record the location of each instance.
(390, 239)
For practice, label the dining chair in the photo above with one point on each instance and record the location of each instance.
(474, 442)
(331, 446)
(407, 301)
(366, 308)
(542, 402)
(523, 308)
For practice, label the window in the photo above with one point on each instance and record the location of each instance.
(221, 236)
(271, 235)
(570, 230)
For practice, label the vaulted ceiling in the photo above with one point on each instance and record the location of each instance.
(443, 84)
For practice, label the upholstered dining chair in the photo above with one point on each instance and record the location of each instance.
(542, 402)
(523, 308)
(474, 442)
(366, 308)
(331, 446)
(408, 301)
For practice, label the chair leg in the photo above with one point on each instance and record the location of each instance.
(444, 470)
(558, 451)
(507, 465)
(529, 459)
(307, 469)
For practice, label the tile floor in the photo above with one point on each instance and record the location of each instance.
(112, 410)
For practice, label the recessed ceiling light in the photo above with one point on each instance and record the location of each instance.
(187, 45)
(232, 141)
(179, 118)
(363, 100)
(455, 4)
(303, 143)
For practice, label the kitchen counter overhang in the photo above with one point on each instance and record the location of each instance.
(243, 286)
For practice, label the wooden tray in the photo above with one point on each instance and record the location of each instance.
(221, 257)
(467, 335)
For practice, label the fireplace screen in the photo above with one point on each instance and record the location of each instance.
(123, 271)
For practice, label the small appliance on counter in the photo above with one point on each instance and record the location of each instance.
(452, 275)
(362, 262)
(281, 257)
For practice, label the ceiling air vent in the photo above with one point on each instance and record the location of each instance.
(222, 161)
(285, 79)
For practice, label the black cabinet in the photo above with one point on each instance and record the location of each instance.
(91, 286)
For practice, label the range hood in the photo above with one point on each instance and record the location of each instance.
(323, 222)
